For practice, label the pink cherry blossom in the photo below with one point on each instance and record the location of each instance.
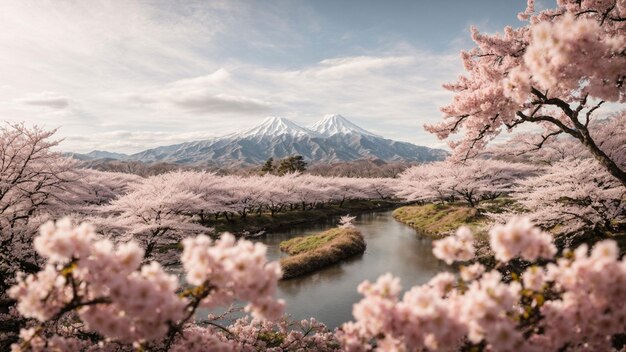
(459, 247)
(553, 73)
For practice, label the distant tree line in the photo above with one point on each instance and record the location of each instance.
(357, 168)
(284, 166)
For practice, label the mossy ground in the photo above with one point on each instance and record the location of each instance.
(303, 244)
(310, 253)
(439, 219)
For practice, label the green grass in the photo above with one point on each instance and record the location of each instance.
(439, 220)
(299, 245)
(310, 253)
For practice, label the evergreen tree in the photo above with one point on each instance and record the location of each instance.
(268, 167)
(291, 164)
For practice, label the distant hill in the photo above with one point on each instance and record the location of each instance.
(331, 139)
(97, 155)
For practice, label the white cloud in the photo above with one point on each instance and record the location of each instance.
(157, 71)
(338, 68)
(221, 103)
(49, 100)
(200, 95)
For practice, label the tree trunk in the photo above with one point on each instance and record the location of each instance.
(149, 248)
(470, 200)
(604, 159)
(580, 132)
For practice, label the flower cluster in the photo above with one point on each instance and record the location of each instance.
(591, 307)
(422, 319)
(42, 295)
(573, 304)
(519, 237)
(142, 305)
(246, 335)
(563, 55)
(117, 297)
(55, 343)
(235, 270)
(566, 53)
(459, 247)
(60, 242)
(101, 282)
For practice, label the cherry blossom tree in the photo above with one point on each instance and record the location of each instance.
(574, 196)
(359, 168)
(96, 188)
(277, 192)
(555, 73)
(199, 196)
(531, 147)
(382, 187)
(241, 195)
(34, 185)
(346, 221)
(156, 212)
(348, 188)
(425, 183)
(215, 193)
(523, 148)
(308, 187)
(480, 179)
(472, 180)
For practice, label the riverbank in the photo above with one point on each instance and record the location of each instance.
(310, 253)
(329, 293)
(254, 223)
(439, 220)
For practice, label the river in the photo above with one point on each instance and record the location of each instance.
(328, 294)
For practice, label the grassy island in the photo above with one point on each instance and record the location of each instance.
(310, 253)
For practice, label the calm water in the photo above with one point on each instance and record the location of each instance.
(328, 295)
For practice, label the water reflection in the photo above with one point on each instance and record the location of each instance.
(330, 293)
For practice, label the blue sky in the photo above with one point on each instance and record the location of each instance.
(128, 75)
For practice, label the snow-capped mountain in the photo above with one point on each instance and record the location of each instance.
(337, 124)
(275, 126)
(333, 138)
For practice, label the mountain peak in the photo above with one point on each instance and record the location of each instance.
(275, 126)
(331, 139)
(337, 124)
